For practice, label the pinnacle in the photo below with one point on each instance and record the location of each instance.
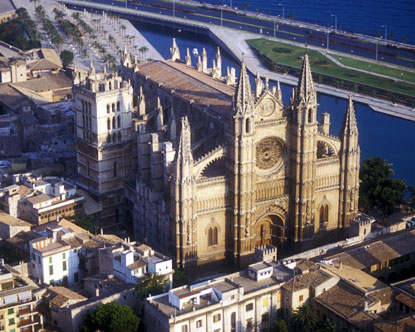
(349, 122)
(243, 88)
(305, 87)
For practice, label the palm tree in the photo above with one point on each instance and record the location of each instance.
(304, 319)
(144, 50)
(328, 326)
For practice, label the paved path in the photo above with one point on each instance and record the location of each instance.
(135, 39)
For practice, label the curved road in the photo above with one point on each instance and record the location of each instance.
(265, 26)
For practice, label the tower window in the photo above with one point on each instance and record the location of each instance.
(110, 86)
(118, 106)
(115, 168)
(248, 126)
(108, 124)
(113, 108)
(213, 236)
(324, 213)
(118, 122)
(119, 136)
(108, 108)
(310, 116)
(113, 123)
(87, 168)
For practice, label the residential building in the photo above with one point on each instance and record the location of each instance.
(10, 226)
(54, 256)
(18, 311)
(68, 308)
(244, 301)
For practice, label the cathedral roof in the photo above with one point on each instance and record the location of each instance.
(191, 85)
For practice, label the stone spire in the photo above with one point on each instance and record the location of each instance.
(160, 116)
(259, 86)
(184, 154)
(174, 51)
(349, 126)
(204, 61)
(218, 63)
(305, 91)
(188, 59)
(91, 70)
(141, 103)
(242, 98)
(230, 76)
(199, 66)
(279, 93)
(266, 85)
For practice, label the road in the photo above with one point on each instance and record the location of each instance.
(235, 42)
(360, 45)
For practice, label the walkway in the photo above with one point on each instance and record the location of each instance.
(103, 28)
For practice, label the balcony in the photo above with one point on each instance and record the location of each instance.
(28, 322)
(27, 312)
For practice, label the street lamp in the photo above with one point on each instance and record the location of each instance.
(283, 9)
(386, 31)
(275, 25)
(335, 21)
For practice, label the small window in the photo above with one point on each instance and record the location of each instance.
(185, 328)
(64, 266)
(10, 311)
(11, 321)
(64, 255)
(76, 277)
(249, 307)
(300, 298)
(50, 260)
(108, 108)
(50, 269)
(199, 323)
(115, 169)
(216, 318)
(118, 106)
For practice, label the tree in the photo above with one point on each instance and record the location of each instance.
(378, 189)
(411, 200)
(279, 326)
(328, 326)
(291, 16)
(154, 285)
(179, 278)
(66, 58)
(111, 317)
(304, 319)
(85, 221)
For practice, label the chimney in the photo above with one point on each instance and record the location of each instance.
(340, 265)
(366, 307)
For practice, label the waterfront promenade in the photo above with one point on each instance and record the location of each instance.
(234, 41)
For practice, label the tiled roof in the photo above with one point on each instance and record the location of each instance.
(311, 279)
(190, 84)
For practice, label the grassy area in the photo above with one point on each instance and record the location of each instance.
(292, 56)
(379, 69)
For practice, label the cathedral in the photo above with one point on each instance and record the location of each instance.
(209, 167)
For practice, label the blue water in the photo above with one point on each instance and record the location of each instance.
(366, 16)
(379, 135)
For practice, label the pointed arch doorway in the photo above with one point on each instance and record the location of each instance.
(270, 229)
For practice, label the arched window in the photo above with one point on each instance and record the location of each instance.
(110, 86)
(215, 236)
(113, 123)
(118, 122)
(118, 106)
(310, 116)
(210, 237)
(108, 124)
(324, 213)
(113, 108)
(108, 108)
(83, 105)
(115, 169)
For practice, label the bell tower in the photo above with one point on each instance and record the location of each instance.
(183, 209)
(242, 169)
(303, 154)
(349, 168)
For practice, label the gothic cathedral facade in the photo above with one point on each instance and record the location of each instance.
(220, 169)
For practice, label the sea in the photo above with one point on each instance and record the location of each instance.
(380, 135)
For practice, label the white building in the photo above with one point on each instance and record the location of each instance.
(54, 257)
(129, 262)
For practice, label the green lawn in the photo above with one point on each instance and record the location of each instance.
(286, 54)
(379, 69)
